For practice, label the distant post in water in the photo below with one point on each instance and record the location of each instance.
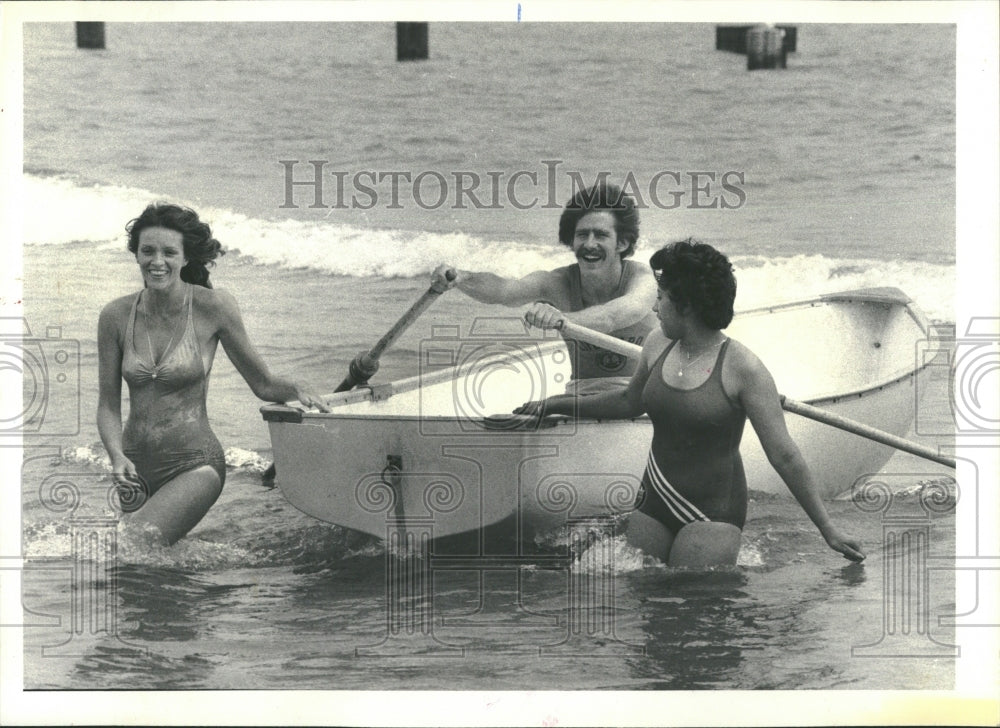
(90, 35)
(411, 41)
(765, 47)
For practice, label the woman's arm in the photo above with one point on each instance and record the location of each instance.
(109, 401)
(760, 399)
(617, 404)
(248, 362)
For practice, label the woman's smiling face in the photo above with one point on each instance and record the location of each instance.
(160, 256)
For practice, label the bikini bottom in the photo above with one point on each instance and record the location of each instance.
(659, 499)
(158, 468)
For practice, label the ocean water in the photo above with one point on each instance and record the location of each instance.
(848, 167)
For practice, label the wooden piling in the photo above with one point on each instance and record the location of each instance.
(411, 41)
(90, 35)
(734, 39)
(765, 47)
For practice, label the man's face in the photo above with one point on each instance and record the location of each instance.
(595, 242)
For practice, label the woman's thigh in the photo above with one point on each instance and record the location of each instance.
(181, 503)
(704, 543)
(648, 535)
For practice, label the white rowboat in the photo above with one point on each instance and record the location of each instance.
(423, 454)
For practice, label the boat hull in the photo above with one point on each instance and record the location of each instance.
(428, 457)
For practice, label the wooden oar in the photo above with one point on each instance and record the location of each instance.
(365, 364)
(863, 430)
(625, 348)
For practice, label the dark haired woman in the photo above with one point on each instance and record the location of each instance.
(699, 387)
(167, 463)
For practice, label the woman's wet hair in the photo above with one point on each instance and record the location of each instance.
(200, 248)
(697, 276)
(602, 197)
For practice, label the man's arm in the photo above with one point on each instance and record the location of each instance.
(627, 309)
(491, 288)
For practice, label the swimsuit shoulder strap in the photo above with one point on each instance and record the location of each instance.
(628, 270)
(130, 326)
(575, 286)
(190, 331)
(719, 358)
(662, 357)
(716, 374)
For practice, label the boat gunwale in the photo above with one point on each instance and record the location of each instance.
(376, 393)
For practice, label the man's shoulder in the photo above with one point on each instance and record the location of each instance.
(635, 269)
(564, 271)
(557, 279)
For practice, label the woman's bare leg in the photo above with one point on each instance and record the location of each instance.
(706, 544)
(649, 535)
(180, 504)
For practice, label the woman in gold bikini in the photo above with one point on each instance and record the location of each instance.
(167, 463)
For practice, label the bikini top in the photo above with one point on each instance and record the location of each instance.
(179, 366)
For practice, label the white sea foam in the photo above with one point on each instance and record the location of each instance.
(92, 454)
(237, 457)
(612, 553)
(95, 213)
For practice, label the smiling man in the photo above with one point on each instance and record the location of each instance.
(601, 291)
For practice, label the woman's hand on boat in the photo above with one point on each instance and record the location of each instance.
(845, 544)
(544, 316)
(311, 399)
(559, 404)
(535, 408)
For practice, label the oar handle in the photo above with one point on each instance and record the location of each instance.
(581, 333)
(863, 430)
(364, 365)
(421, 305)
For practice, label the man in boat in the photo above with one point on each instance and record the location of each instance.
(602, 290)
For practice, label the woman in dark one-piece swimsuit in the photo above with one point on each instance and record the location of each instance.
(167, 464)
(699, 387)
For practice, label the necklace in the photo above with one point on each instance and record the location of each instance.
(702, 355)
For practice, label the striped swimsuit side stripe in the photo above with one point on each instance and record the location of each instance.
(683, 509)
